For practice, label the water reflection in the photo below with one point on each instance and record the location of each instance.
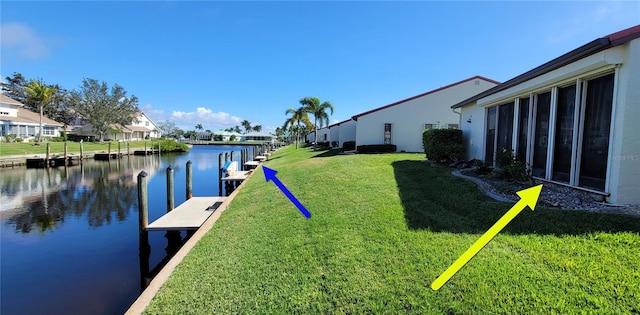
(37, 200)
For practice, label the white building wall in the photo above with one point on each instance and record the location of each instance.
(10, 110)
(334, 135)
(347, 132)
(409, 118)
(625, 155)
(473, 132)
(323, 135)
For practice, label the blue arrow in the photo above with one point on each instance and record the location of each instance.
(270, 174)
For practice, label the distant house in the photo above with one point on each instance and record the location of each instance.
(257, 136)
(23, 123)
(222, 135)
(346, 132)
(401, 123)
(574, 120)
(139, 129)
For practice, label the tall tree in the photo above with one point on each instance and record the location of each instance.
(257, 128)
(247, 125)
(167, 127)
(103, 107)
(237, 129)
(199, 127)
(41, 94)
(298, 116)
(313, 106)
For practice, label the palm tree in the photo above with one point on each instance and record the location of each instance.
(313, 106)
(257, 128)
(297, 116)
(247, 125)
(41, 94)
(199, 127)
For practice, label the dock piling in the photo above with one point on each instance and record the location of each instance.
(170, 190)
(189, 181)
(220, 174)
(81, 151)
(143, 212)
(46, 161)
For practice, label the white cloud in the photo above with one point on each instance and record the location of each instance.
(20, 41)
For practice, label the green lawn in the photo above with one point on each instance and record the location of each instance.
(383, 227)
(24, 148)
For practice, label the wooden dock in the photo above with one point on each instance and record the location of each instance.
(188, 216)
(145, 152)
(236, 176)
(260, 158)
(51, 162)
(106, 156)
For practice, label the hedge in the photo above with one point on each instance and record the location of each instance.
(443, 144)
(377, 148)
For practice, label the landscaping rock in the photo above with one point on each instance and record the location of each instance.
(552, 195)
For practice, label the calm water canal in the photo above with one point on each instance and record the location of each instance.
(69, 236)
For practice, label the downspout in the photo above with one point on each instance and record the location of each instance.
(459, 117)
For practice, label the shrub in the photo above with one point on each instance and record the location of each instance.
(10, 138)
(511, 168)
(377, 148)
(57, 139)
(171, 146)
(442, 144)
(349, 146)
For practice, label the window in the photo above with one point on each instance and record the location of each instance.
(541, 142)
(595, 137)
(48, 131)
(505, 127)
(146, 123)
(325, 137)
(387, 133)
(563, 144)
(491, 135)
(428, 126)
(453, 126)
(523, 130)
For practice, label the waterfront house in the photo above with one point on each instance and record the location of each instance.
(574, 120)
(23, 123)
(140, 128)
(402, 123)
(257, 136)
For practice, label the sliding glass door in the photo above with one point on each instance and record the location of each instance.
(595, 137)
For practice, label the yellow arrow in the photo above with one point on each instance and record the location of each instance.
(528, 197)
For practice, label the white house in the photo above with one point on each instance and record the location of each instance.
(347, 132)
(257, 136)
(139, 129)
(23, 123)
(323, 135)
(401, 123)
(575, 119)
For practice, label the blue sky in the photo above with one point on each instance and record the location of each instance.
(217, 63)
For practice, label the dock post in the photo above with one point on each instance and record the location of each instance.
(159, 150)
(143, 213)
(170, 190)
(46, 161)
(81, 151)
(226, 156)
(220, 174)
(128, 146)
(119, 154)
(189, 181)
(231, 159)
(145, 147)
(109, 150)
(65, 152)
(242, 159)
(173, 237)
(144, 249)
